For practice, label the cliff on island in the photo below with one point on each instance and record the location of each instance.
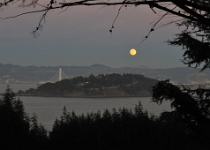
(109, 85)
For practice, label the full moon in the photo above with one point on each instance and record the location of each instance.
(132, 52)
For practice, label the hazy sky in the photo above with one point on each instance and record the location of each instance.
(80, 37)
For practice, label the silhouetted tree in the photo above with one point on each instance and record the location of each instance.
(17, 130)
(191, 106)
(38, 135)
(115, 130)
(14, 122)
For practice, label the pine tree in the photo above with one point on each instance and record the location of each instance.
(14, 124)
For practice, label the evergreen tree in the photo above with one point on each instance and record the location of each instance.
(14, 124)
(17, 130)
(191, 106)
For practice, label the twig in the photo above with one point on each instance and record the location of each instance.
(153, 27)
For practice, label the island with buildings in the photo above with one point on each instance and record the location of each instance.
(108, 85)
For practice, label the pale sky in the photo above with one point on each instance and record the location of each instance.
(80, 37)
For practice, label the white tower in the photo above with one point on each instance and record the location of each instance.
(60, 75)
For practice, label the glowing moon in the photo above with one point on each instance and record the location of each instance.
(133, 52)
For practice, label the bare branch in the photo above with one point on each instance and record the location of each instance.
(186, 9)
(153, 27)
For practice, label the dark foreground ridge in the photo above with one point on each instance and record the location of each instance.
(109, 85)
(121, 129)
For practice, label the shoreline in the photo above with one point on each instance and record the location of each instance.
(82, 96)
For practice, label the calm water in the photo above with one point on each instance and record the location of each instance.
(49, 108)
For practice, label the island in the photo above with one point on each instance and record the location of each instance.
(108, 85)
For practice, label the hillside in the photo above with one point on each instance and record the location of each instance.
(109, 85)
(34, 74)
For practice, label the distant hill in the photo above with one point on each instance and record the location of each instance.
(33, 74)
(109, 85)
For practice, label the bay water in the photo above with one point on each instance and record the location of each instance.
(49, 108)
